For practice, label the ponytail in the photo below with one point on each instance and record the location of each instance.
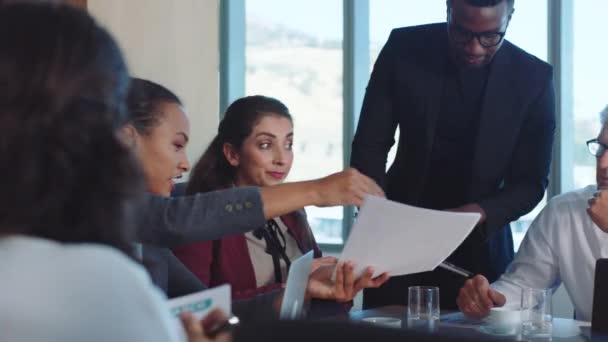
(212, 171)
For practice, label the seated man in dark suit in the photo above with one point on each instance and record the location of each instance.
(476, 120)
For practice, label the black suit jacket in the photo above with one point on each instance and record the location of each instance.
(513, 146)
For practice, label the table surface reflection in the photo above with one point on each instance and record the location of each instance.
(563, 329)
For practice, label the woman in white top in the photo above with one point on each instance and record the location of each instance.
(64, 251)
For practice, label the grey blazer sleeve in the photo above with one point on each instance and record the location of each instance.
(180, 280)
(171, 221)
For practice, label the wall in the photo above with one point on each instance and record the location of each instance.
(175, 43)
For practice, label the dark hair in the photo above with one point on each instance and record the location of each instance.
(212, 171)
(63, 84)
(143, 101)
(486, 3)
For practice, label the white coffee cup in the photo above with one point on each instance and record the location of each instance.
(504, 320)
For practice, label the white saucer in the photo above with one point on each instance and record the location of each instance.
(497, 331)
(383, 321)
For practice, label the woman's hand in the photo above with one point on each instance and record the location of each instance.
(195, 329)
(345, 287)
(348, 187)
(598, 209)
(323, 261)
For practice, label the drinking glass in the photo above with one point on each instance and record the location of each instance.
(423, 307)
(536, 314)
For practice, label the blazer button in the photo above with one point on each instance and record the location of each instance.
(248, 205)
(238, 206)
(228, 208)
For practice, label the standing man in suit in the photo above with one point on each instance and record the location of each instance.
(476, 119)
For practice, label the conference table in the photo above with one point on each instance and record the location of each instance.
(567, 330)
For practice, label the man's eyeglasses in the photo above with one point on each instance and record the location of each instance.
(485, 39)
(596, 148)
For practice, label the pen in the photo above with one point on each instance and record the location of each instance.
(227, 325)
(458, 270)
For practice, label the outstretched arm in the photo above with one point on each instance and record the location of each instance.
(169, 222)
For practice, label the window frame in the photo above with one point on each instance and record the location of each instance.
(356, 64)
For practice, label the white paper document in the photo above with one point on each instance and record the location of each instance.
(200, 304)
(401, 239)
(292, 306)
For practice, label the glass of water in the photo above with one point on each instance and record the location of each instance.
(423, 307)
(537, 314)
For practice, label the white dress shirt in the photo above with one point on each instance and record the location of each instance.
(262, 261)
(77, 292)
(562, 245)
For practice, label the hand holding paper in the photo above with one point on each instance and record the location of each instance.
(343, 286)
(200, 304)
(198, 331)
(401, 239)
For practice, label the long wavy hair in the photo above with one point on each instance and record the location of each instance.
(63, 84)
(212, 171)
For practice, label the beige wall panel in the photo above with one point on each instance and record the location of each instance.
(175, 43)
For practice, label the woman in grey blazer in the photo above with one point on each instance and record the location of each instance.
(158, 132)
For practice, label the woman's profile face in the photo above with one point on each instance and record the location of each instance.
(266, 156)
(162, 153)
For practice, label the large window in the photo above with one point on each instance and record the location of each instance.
(385, 15)
(590, 75)
(528, 27)
(298, 60)
(528, 30)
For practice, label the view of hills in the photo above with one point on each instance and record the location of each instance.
(305, 72)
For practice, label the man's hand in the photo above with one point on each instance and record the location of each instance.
(344, 188)
(598, 209)
(345, 287)
(476, 298)
(471, 208)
